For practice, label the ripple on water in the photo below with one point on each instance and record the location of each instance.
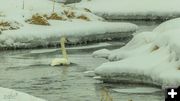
(34, 76)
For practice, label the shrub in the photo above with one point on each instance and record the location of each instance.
(38, 20)
(83, 17)
(6, 25)
(54, 16)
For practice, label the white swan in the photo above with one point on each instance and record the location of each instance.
(64, 60)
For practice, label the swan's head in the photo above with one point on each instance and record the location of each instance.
(63, 39)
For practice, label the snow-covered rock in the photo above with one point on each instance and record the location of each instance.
(12, 95)
(150, 57)
(133, 9)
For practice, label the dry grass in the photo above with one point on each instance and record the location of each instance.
(38, 20)
(54, 16)
(178, 68)
(83, 17)
(69, 14)
(5, 25)
(155, 48)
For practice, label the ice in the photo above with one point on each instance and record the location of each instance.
(12, 95)
(103, 53)
(150, 57)
(42, 51)
(99, 45)
(132, 9)
(138, 90)
(89, 73)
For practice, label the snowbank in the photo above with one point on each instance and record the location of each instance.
(12, 95)
(133, 9)
(78, 25)
(151, 57)
(76, 33)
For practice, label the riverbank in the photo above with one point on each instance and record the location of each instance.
(40, 24)
(150, 57)
(134, 10)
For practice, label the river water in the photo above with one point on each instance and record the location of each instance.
(29, 71)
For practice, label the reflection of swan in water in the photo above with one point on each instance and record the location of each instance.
(105, 95)
(64, 60)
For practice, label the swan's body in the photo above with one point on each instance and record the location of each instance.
(64, 60)
(60, 61)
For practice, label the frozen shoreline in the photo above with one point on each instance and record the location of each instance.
(150, 57)
(136, 10)
(12, 95)
(77, 25)
(83, 33)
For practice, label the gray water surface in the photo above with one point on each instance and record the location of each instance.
(29, 71)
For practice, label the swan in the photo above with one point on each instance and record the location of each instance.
(64, 60)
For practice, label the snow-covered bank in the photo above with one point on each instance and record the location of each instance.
(35, 25)
(12, 95)
(132, 9)
(75, 32)
(150, 57)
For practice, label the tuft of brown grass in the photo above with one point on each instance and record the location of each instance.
(54, 16)
(69, 14)
(83, 17)
(5, 25)
(155, 48)
(38, 20)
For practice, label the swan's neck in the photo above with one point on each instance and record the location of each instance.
(64, 53)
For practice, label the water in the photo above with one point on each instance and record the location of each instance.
(29, 71)
(143, 25)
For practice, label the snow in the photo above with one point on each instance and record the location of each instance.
(103, 53)
(76, 30)
(132, 9)
(33, 36)
(150, 57)
(12, 95)
(138, 90)
(89, 73)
